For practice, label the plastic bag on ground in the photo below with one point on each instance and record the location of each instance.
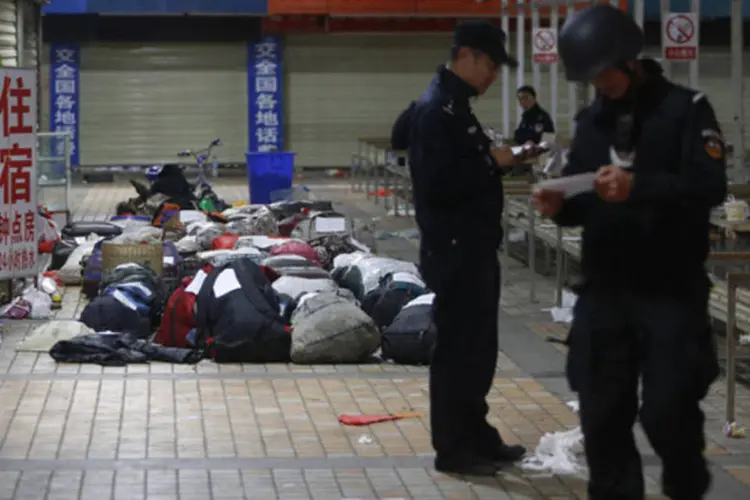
(18, 308)
(558, 454)
(41, 303)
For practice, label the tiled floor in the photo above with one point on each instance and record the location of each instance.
(234, 432)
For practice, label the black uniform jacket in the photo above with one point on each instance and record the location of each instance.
(658, 239)
(535, 121)
(457, 187)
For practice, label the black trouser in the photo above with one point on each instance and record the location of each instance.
(663, 339)
(466, 284)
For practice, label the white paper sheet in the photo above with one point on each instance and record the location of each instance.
(330, 225)
(570, 186)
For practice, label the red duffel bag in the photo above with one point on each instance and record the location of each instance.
(296, 247)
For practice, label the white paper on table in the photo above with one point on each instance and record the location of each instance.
(570, 186)
(330, 225)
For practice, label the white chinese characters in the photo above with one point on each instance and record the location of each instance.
(65, 98)
(266, 88)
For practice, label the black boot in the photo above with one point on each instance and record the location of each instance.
(466, 465)
(506, 453)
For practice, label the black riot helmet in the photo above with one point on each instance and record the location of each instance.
(596, 39)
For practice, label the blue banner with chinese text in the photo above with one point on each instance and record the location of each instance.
(265, 95)
(64, 83)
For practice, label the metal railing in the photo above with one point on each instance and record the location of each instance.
(382, 174)
(54, 168)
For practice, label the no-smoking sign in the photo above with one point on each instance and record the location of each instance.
(544, 45)
(680, 36)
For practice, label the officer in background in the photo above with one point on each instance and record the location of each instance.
(535, 121)
(642, 312)
(458, 198)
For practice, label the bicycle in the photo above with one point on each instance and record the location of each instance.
(206, 163)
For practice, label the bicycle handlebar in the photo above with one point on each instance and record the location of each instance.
(205, 153)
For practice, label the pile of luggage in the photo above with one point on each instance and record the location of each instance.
(285, 282)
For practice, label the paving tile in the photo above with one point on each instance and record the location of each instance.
(741, 473)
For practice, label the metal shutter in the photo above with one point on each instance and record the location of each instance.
(31, 17)
(341, 87)
(142, 103)
(8, 31)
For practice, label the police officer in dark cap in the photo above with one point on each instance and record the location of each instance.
(458, 197)
(642, 311)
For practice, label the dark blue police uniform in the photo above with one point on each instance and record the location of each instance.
(535, 121)
(643, 307)
(458, 199)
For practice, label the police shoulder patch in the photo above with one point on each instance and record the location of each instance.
(713, 144)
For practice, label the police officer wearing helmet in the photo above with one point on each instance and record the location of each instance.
(458, 198)
(642, 312)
